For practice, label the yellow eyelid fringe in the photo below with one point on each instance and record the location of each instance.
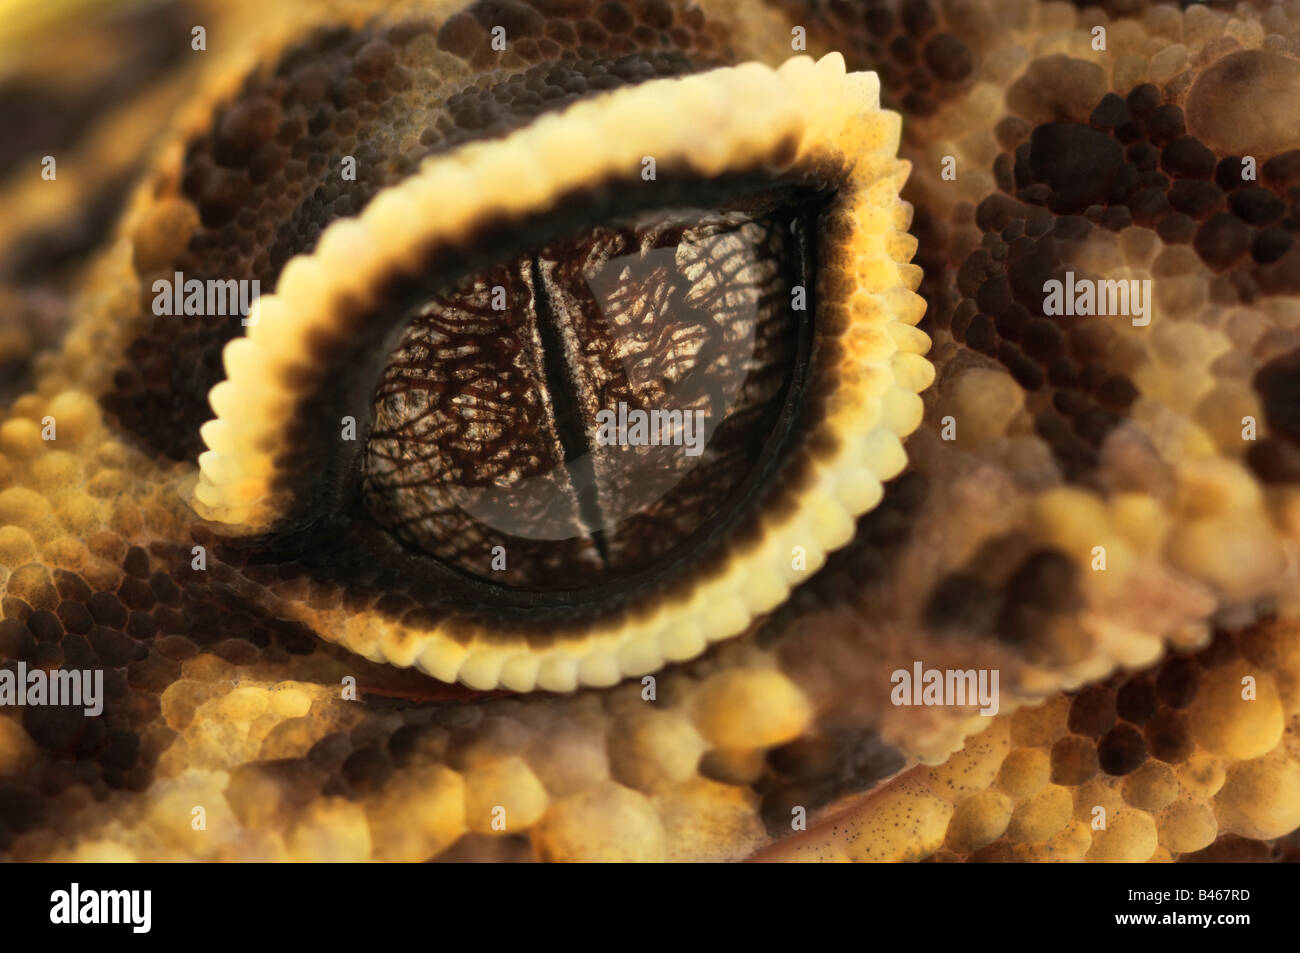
(748, 115)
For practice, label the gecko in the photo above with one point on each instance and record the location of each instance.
(954, 577)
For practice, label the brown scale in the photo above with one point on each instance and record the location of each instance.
(487, 428)
(1074, 760)
(1117, 724)
(1061, 362)
(1132, 164)
(1028, 606)
(138, 635)
(922, 55)
(71, 626)
(1020, 607)
(1276, 457)
(815, 770)
(1114, 725)
(842, 755)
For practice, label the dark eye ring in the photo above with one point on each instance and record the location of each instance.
(314, 349)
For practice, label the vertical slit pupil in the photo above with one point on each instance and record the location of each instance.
(568, 414)
(580, 413)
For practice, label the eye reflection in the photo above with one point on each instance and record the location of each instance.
(579, 413)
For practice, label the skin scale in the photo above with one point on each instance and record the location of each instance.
(1120, 688)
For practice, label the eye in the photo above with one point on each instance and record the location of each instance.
(565, 406)
(580, 414)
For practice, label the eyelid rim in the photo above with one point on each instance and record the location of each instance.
(800, 115)
(750, 110)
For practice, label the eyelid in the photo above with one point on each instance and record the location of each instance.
(803, 117)
(751, 110)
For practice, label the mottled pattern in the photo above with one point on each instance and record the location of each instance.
(1173, 447)
(265, 177)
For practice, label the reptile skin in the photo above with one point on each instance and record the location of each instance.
(229, 730)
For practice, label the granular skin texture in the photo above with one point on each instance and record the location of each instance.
(1107, 514)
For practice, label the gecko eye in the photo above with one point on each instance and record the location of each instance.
(580, 413)
(567, 405)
